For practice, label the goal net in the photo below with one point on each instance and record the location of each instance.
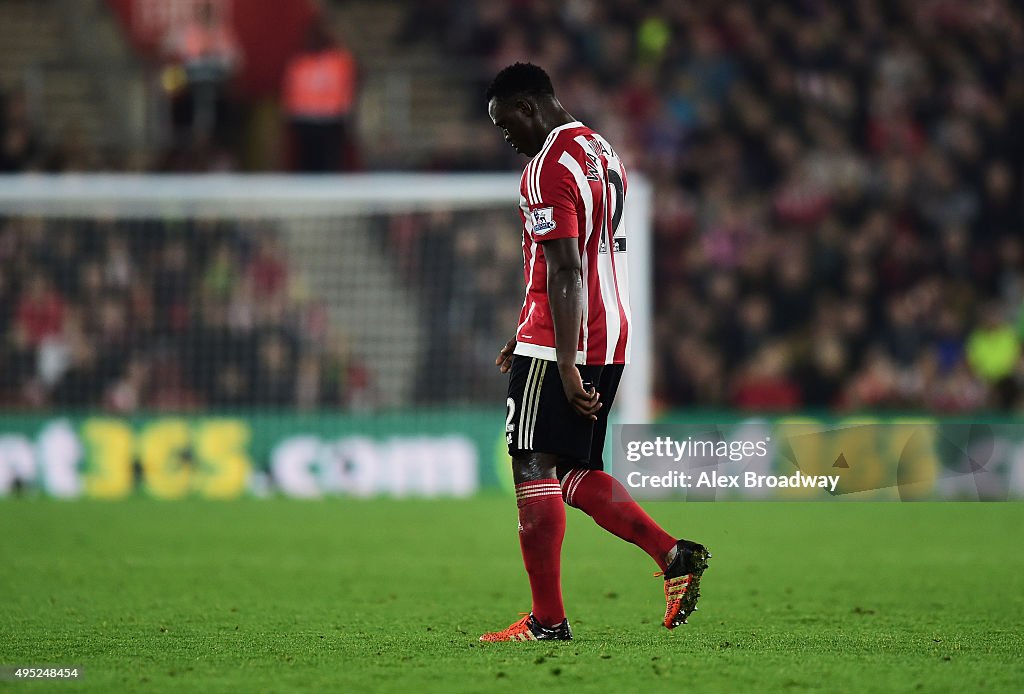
(368, 293)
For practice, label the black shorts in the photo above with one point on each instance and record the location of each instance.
(547, 423)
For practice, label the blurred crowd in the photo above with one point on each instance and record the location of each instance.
(838, 209)
(838, 216)
(469, 270)
(129, 315)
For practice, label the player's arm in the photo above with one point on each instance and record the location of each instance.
(565, 297)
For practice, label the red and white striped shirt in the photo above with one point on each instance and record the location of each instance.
(575, 187)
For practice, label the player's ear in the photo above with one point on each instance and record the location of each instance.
(525, 107)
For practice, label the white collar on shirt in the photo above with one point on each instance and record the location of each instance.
(553, 133)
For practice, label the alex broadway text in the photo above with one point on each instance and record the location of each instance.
(716, 480)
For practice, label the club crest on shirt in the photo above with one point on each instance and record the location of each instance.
(543, 220)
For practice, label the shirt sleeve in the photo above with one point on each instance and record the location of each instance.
(553, 205)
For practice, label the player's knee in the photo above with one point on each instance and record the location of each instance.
(533, 466)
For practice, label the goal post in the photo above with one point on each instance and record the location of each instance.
(353, 244)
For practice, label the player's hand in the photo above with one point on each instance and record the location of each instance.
(504, 360)
(585, 402)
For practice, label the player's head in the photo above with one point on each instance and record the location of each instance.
(518, 101)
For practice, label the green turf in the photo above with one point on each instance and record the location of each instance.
(346, 595)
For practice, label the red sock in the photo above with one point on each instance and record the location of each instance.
(601, 497)
(541, 529)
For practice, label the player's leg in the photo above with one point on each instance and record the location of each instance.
(593, 491)
(607, 501)
(541, 429)
(541, 530)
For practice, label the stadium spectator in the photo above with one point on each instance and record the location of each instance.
(821, 370)
(20, 145)
(77, 385)
(130, 391)
(765, 384)
(994, 352)
(171, 286)
(274, 375)
(320, 91)
(40, 311)
(267, 271)
(207, 52)
(993, 347)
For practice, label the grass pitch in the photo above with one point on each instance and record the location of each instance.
(344, 595)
